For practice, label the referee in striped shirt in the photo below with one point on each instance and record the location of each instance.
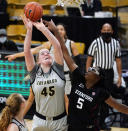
(103, 52)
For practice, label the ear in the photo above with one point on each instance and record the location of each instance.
(22, 105)
(38, 62)
(101, 31)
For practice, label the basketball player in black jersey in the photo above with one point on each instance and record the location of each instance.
(86, 95)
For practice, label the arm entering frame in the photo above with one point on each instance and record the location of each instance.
(29, 58)
(71, 64)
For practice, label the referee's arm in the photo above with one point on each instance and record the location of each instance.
(91, 51)
(119, 69)
(119, 64)
(89, 62)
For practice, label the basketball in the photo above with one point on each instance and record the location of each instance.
(33, 11)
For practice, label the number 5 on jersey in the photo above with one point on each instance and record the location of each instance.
(47, 91)
(80, 103)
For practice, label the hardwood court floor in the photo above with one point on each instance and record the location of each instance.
(29, 125)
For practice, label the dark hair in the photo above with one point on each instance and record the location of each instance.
(11, 109)
(64, 29)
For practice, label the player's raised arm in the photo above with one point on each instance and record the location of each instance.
(52, 39)
(21, 54)
(29, 59)
(71, 64)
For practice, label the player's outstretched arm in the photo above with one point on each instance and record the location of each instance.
(71, 64)
(118, 106)
(21, 54)
(52, 39)
(29, 58)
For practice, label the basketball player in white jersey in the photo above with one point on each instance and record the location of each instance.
(20, 126)
(11, 118)
(73, 51)
(47, 83)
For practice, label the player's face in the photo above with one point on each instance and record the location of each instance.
(92, 78)
(61, 30)
(45, 57)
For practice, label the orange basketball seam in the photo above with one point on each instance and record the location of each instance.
(33, 13)
(27, 11)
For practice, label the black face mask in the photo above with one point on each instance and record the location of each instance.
(106, 36)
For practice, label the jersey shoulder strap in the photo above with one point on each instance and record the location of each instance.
(33, 73)
(17, 123)
(59, 69)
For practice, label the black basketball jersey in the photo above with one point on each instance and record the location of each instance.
(84, 103)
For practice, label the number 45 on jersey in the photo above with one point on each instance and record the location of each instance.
(48, 91)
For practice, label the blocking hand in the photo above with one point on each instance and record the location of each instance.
(50, 24)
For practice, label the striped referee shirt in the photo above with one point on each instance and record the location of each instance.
(104, 53)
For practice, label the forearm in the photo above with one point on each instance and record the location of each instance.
(123, 109)
(27, 42)
(87, 65)
(21, 54)
(66, 103)
(27, 107)
(89, 62)
(29, 59)
(52, 39)
(71, 64)
(29, 102)
(33, 51)
(118, 106)
(18, 55)
(36, 50)
(119, 67)
(61, 41)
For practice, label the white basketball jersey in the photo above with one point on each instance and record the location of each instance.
(48, 89)
(21, 127)
(68, 45)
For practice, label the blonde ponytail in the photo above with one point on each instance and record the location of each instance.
(12, 107)
(5, 118)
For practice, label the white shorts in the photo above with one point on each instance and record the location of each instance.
(68, 84)
(49, 125)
